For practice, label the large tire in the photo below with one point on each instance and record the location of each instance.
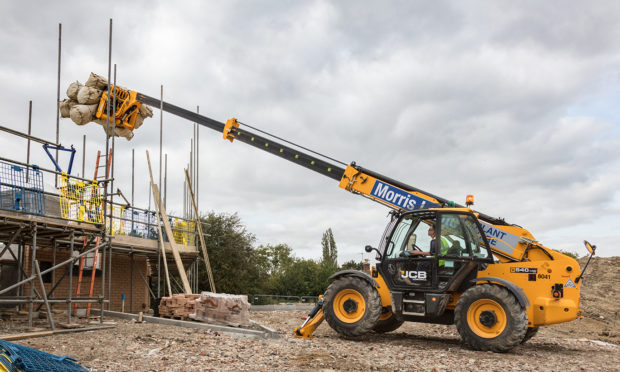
(531, 332)
(387, 322)
(489, 318)
(352, 306)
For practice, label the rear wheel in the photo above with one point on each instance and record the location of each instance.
(352, 306)
(387, 322)
(488, 317)
(531, 332)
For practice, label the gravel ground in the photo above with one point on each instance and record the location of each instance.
(588, 344)
(413, 347)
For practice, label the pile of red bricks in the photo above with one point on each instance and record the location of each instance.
(219, 308)
(178, 306)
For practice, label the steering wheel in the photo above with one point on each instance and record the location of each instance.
(415, 247)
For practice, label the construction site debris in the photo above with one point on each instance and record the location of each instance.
(221, 308)
(188, 349)
(178, 306)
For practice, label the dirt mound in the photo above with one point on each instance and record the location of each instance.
(600, 291)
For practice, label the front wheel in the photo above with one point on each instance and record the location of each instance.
(352, 306)
(489, 318)
(387, 322)
(531, 332)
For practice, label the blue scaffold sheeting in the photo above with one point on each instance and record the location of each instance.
(15, 357)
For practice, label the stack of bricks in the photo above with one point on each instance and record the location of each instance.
(226, 309)
(178, 306)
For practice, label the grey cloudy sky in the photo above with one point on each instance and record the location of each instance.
(515, 103)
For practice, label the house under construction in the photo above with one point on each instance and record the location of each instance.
(74, 248)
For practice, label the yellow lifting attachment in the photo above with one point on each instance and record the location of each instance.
(127, 107)
(229, 128)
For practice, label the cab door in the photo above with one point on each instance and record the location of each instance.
(463, 248)
(398, 267)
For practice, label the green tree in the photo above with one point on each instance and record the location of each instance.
(237, 267)
(330, 252)
(351, 265)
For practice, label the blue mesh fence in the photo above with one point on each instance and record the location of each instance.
(21, 188)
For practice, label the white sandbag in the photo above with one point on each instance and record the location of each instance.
(65, 107)
(139, 121)
(118, 132)
(73, 90)
(146, 111)
(82, 114)
(96, 81)
(123, 132)
(88, 95)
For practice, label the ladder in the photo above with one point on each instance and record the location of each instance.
(107, 166)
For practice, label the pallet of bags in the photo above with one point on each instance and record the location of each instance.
(83, 99)
(220, 308)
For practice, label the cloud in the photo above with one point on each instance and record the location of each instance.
(490, 99)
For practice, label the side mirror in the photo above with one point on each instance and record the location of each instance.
(369, 249)
(591, 248)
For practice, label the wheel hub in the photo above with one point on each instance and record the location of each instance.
(350, 306)
(488, 318)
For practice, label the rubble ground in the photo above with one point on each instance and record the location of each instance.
(588, 344)
(133, 346)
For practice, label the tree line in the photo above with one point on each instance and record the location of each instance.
(241, 268)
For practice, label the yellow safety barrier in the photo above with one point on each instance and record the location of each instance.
(80, 201)
(183, 232)
(119, 223)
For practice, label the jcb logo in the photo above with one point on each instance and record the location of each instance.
(413, 275)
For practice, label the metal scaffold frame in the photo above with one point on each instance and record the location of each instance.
(74, 232)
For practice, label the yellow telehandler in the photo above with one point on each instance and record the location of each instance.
(437, 262)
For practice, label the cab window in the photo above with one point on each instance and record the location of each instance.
(455, 238)
(474, 235)
(410, 234)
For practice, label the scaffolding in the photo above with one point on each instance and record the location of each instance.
(44, 234)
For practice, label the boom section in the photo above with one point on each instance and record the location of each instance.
(507, 241)
(260, 142)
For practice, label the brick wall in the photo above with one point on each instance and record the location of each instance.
(120, 283)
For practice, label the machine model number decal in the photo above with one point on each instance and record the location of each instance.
(524, 270)
(544, 276)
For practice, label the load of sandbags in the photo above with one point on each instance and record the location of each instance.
(81, 106)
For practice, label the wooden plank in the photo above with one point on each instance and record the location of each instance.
(149, 244)
(155, 190)
(173, 245)
(22, 336)
(203, 246)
